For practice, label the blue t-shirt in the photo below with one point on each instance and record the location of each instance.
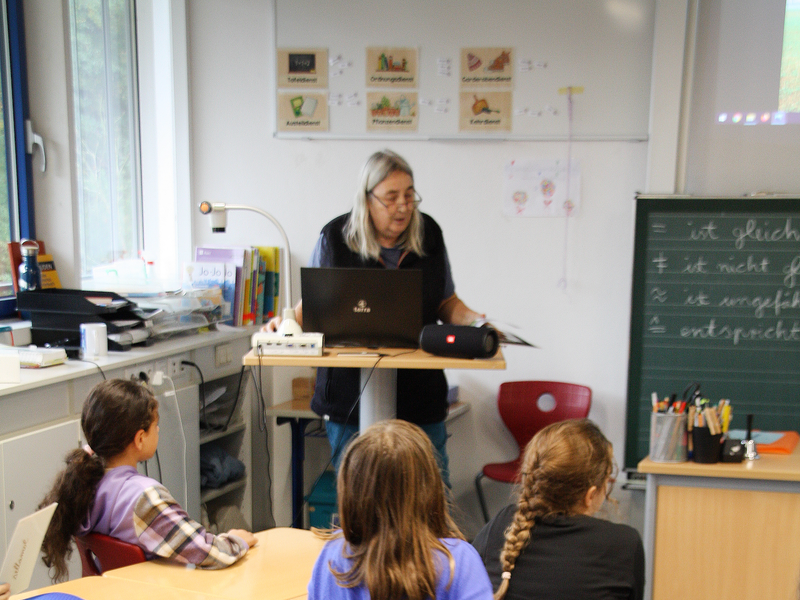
(470, 581)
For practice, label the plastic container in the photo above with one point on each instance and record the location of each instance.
(668, 437)
(322, 507)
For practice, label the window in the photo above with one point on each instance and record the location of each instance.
(105, 101)
(16, 201)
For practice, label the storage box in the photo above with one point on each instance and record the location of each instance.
(323, 510)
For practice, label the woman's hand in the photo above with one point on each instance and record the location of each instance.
(270, 326)
(5, 591)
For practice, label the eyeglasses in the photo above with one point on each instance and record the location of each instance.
(411, 200)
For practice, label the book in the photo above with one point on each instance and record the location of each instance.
(50, 277)
(204, 275)
(505, 336)
(269, 255)
(234, 256)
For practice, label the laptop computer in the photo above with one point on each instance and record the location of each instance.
(24, 547)
(375, 308)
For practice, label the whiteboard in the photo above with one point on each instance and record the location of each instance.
(605, 47)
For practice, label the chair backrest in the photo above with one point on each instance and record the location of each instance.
(518, 403)
(100, 553)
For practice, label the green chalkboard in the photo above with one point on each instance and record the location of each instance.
(716, 300)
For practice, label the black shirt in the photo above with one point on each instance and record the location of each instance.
(568, 557)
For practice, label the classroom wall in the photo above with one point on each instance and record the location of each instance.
(508, 268)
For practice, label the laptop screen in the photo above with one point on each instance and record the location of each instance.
(376, 308)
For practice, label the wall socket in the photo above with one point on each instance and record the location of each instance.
(174, 367)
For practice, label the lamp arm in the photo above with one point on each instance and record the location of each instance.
(275, 222)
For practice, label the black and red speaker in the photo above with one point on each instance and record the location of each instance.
(459, 341)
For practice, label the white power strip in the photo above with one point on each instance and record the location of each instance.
(305, 344)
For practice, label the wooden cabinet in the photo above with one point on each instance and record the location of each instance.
(40, 423)
(29, 466)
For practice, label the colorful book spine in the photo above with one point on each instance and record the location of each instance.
(268, 254)
(236, 257)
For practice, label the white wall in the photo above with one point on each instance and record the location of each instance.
(508, 268)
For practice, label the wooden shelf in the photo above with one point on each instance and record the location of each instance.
(211, 494)
(210, 436)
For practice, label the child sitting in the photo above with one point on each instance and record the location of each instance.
(397, 540)
(101, 491)
(549, 540)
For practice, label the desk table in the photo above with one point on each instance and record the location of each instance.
(277, 568)
(378, 372)
(298, 414)
(724, 530)
(105, 588)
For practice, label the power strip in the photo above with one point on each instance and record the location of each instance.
(305, 344)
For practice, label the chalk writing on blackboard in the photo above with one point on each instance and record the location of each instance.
(716, 300)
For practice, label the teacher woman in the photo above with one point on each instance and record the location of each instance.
(385, 229)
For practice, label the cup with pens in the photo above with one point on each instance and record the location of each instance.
(668, 437)
(707, 425)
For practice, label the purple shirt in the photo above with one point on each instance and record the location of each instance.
(139, 510)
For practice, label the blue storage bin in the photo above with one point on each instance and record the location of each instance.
(323, 511)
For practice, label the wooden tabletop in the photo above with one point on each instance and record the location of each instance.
(383, 358)
(779, 467)
(104, 588)
(277, 568)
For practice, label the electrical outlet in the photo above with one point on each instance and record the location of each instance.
(174, 366)
(222, 355)
(148, 369)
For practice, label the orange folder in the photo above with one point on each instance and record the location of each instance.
(783, 445)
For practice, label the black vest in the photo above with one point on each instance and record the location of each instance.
(421, 393)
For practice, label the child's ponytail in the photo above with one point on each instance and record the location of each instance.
(74, 490)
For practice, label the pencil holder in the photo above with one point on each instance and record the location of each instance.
(667, 437)
(707, 447)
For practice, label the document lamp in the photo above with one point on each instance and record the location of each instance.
(219, 219)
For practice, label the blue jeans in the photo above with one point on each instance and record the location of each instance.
(339, 435)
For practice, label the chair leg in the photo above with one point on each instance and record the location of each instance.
(481, 497)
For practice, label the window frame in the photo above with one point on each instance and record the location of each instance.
(22, 179)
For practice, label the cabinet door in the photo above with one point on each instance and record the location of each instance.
(30, 464)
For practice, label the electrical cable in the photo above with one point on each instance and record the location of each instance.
(95, 364)
(204, 420)
(339, 442)
(262, 427)
(174, 394)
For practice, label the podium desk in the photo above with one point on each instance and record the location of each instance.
(277, 568)
(378, 372)
(378, 381)
(298, 414)
(723, 530)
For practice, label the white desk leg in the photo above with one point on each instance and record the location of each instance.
(379, 400)
(649, 540)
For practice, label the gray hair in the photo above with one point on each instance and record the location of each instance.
(359, 232)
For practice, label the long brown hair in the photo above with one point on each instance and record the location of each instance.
(393, 511)
(112, 415)
(561, 463)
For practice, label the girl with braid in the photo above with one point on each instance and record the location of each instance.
(549, 541)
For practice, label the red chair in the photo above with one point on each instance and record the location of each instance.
(101, 553)
(523, 413)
